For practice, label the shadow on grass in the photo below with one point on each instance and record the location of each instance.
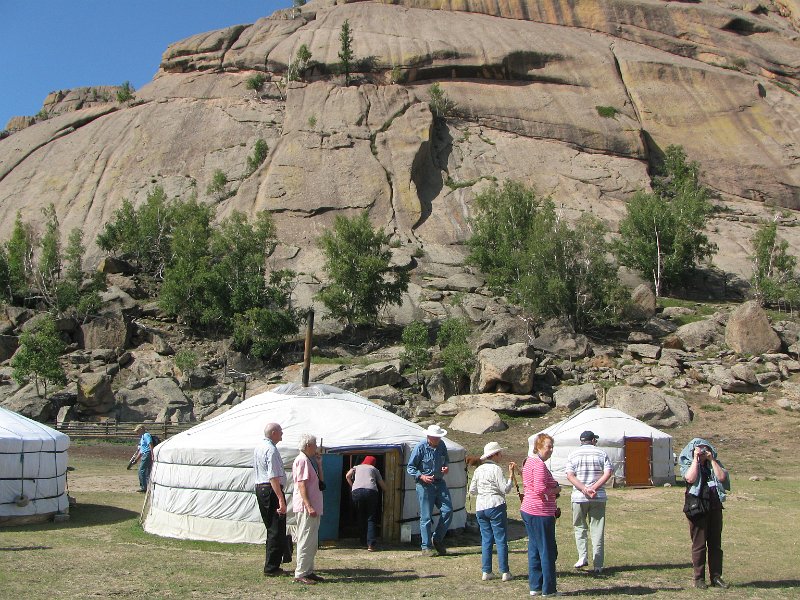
(23, 548)
(778, 583)
(373, 575)
(83, 515)
(629, 590)
(647, 567)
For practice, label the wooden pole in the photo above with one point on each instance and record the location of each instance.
(307, 352)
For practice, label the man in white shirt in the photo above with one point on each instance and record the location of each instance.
(588, 469)
(270, 478)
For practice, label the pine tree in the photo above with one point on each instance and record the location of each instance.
(346, 51)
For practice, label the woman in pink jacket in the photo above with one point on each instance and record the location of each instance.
(539, 514)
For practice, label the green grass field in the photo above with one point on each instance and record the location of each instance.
(102, 552)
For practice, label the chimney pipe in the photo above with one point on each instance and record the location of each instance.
(307, 352)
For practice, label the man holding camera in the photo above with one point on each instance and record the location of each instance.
(588, 469)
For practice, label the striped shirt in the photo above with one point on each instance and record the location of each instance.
(588, 463)
(540, 488)
(268, 463)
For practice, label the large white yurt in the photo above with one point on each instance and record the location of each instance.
(201, 485)
(33, 470)
(641, 455)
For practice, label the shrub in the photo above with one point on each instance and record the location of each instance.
(260, 332)
(774, 279)
(607, 112)
(441, 106)
(300, 63)
(258, 156)
(186, 360)
(357, 262)
(125, 92)
(457, 357)
(37, 357)
(217, 186)
(20, 257)
(415, 348)
(662, 235)
(142, 236)
(312, 122)
(542, 262)
(254, 82)
(345, 51)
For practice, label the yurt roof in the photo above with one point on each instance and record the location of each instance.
(610, 424)
(21, 434)
(340, 419)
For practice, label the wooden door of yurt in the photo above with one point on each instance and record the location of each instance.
(638, 461)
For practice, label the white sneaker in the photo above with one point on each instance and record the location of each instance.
(535, 593)
(507, 577)
(582, 563)
(487, 576)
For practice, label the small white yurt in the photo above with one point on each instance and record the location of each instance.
(33, 470)
(641, 455)
(201, 485)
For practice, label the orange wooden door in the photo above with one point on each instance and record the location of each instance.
(638, 461)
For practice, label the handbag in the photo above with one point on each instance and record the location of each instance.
(694, 506)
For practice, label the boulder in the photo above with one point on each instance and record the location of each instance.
(110, 264)
(478, 420)
(745, 372)
(749, 332)
(161, 345)
(505, 369)
(387, 393)
(502, 330)
(644, 350)
(658, 327)
(723, 377)
(151, 399)
(95, 396)
(643, 303)
(560, 339)
(698, 335)
(28, 403)
(116, 301)
(439, 386)
(8, 345)
(368, 376)
(106, 331)
(504, 403)
(654, 407)
(573, 396)
(18, 315)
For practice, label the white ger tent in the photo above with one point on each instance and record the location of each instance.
(33, 470)
(641, 455)
(201, 486)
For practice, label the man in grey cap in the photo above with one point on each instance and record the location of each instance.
(588, 469)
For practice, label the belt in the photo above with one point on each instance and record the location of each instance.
(262, 485)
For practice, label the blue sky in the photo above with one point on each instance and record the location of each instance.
(50, 45)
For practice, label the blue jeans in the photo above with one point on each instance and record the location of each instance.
(430, 495)
(145, 464)
(542, 552)
(493, 523)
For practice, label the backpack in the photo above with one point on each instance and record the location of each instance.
(156, 440)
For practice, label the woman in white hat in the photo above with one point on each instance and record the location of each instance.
(489, 485)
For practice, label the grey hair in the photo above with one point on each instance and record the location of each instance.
(305, 440)
(270, 428)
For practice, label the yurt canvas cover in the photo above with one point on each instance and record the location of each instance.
(33, 469)
(616, 430)
(202, 487)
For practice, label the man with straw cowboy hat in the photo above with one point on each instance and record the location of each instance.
(489, 485)
(428, 465)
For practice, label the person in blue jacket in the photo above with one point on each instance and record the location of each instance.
(428, 465)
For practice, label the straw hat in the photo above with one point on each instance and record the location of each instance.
(491, 449)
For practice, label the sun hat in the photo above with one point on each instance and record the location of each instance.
(589, 436)
(491, 449)
(435, 431)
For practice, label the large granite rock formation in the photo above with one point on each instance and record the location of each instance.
(530, 80)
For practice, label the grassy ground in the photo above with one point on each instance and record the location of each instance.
(101, 552)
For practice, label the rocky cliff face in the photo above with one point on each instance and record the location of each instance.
(528, 79)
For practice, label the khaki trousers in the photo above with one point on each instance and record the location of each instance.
(306, 543)
(595, 514)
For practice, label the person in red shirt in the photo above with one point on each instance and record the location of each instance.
(539, 515)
